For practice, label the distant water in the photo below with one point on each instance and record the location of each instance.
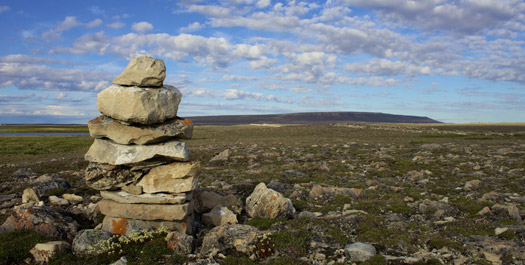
(40, 133)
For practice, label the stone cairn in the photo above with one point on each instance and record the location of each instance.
(137, 160)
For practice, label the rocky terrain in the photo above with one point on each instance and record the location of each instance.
(361, 193)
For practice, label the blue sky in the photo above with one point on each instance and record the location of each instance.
(451, 60)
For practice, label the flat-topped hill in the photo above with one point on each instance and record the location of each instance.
(310, 118)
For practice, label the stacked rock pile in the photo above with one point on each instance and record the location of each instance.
(137, 160)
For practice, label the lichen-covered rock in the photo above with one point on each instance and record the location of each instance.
(180, 243)
(106, 127)
(42, 252)
(108, 152)
(360, 252)
(124, 226)
(236, 237)
(49, 182)
(85, 242)
(101, 176)
(267, 203)
(142, 71)
(138, 104)
(47, 221)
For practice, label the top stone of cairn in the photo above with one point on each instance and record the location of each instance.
(142, 71)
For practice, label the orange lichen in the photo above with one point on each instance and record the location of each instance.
(187, 122)
(119, 227)
(96, 120)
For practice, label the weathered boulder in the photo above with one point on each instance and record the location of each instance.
(167, 212)
(219, 216)
(172, 178)
(56, 201)
(124, 226)
(323, 193)
(29, 196)
(108, 177)
(207, 200)
(47, 221)
(49, 182)
(24, 173)
(85, 242)
(159, 198)
(106, 127)
(138, 104)
(142, 71)
(360, 252)
(42, 252)
(108, 152)
(235, 237)
(180, 243)
(267, 203)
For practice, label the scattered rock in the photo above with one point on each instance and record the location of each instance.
(292, 173)
(219, 216)
(49, 182)
(23, 173)
(473, 184)
(267, 203)
(42, 252)
(360, 251)
(142, 71)
(72, 198)
(207, 200)
(46, 221)
(139, 105)
(235, 238)
(122, 261)
(500, 230)
(54, 200)
(29, 196)
(180, 243)
(106, 127)
(85, 242)
(323, 193)
(222, 156)
(431, 147)
(108, 152)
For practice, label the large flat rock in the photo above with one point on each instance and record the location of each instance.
(138, 104)
(106, 127)
(172, 178)
(124, 226)
(109, 152)
(166, 212)
(159, 198)
(142, 71)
